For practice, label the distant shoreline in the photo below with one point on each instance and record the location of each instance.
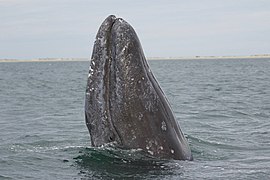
(149, 58)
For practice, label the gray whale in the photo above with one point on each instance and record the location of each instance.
(124, 103)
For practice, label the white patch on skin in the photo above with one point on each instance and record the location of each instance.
(125, 47)
(140, 116)
(120, 20)
(151, 152)
(172, 151)
(163, 126)
(90, 68)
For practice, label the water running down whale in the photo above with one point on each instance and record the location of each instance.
(124, 103)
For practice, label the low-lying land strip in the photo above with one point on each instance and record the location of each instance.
(149, 58)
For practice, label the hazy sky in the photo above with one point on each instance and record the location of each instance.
(67, 28)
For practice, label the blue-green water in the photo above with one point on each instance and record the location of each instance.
(223, 107)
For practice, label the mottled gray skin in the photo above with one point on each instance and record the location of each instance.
(124, 104)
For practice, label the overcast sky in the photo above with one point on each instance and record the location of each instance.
(67, 28)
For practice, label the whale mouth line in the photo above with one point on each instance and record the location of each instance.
(109, 80)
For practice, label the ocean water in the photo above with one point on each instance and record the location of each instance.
(223, 107)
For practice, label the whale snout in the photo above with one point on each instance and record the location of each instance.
(124, 103)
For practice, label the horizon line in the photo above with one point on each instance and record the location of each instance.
(47, 59)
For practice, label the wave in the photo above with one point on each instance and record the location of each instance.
(5, 177)
(118, 163)
(206, 150)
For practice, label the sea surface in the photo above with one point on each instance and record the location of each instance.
(222, 106)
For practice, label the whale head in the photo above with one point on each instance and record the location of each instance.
(124, 103)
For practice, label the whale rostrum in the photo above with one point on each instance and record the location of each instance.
(124, 103)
